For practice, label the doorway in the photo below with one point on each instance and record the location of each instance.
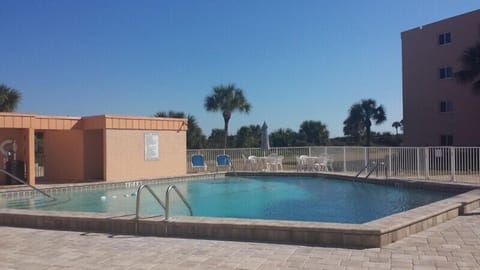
(39, 155)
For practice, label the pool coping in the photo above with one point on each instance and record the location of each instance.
(376, 233)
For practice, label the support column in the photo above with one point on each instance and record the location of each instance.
(105, 169)
(30, 156)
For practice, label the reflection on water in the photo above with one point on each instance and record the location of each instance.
(284, 198)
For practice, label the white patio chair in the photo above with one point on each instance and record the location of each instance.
(322, 164)
(252, 163)
(276, 163)
(301, 163)
(326, 163)
(312, 164)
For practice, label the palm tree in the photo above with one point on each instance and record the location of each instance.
(353, 125)
(9, 98)
(396, 125)
(470, 67)
(360, 118)
(227, 99)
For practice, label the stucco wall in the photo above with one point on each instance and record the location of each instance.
(423, 90)
(64, 155)
(125, 156)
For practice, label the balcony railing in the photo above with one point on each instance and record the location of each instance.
(461, 164)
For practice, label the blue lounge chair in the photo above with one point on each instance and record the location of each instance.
(198, 163)
(224, 161)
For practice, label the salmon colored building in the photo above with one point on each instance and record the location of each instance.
(437, 110)
(93, 148)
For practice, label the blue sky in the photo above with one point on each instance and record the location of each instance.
(295, 60)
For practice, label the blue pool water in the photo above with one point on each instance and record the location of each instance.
(281, 198)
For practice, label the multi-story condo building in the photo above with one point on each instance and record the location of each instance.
(437, 109)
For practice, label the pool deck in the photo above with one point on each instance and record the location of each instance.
(454, 244)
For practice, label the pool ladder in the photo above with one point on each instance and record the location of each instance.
(166, 206)
(25, 183)
(376, 165)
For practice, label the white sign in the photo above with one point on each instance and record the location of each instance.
(151, 146)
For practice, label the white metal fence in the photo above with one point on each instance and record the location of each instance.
(460, 164)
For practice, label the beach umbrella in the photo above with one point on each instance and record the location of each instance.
(265, 141)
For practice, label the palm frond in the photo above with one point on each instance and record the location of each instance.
(9, 98)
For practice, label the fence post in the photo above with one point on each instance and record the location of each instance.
(418, 162)
(452, 163)
(390, 162)
(344, 159)
(427, 163)
(309, 151)
(366, 159)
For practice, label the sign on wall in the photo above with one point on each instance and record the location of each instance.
(151, 146)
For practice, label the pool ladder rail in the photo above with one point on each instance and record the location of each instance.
(25, 183)
(375, 164)
(165, 206)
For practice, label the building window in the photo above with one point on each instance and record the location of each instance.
(446, 140)
(446, 106)
(444, 38)
(445, 72)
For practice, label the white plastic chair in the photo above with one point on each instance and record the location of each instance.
(276, 163)
(302, 163)
(326, 163)
(321, 164)
(252, 163)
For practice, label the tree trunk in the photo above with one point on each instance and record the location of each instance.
(368, 135)
(226, 118)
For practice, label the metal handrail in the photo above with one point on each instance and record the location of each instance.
(375, 168)
(359, 172)
(25, 183)
(139, 190)
(167, 199)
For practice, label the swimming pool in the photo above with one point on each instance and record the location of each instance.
(114, 215)
(296, 198)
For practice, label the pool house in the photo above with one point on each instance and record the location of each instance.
(91, 148)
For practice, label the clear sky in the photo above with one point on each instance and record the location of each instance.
(295, 60)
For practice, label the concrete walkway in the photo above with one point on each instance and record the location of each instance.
(451, 245)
